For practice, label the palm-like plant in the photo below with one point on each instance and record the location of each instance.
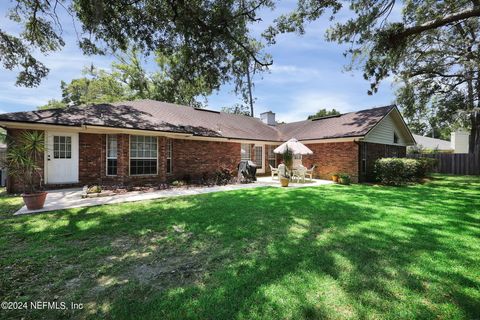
(288, 158)
(22, 160)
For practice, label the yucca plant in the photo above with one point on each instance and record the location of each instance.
(288, 158)
(22, 160)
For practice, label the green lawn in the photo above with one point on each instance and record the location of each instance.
(8, 204)
(329, 252)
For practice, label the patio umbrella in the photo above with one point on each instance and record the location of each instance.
(294, 146)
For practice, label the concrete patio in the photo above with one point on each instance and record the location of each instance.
(72, 198)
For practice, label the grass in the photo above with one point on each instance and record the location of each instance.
(329, 252)
(9, 204)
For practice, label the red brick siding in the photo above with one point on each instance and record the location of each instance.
(192, 159)
(376, 151)
(329, 158)
(98, 166)
(90, 156)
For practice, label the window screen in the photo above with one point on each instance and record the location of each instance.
(143, 155)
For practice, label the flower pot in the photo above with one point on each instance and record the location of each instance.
(34, 201)
(335, 177)
(284, 182)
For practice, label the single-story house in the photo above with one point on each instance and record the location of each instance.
(148, 141)
(459, 143)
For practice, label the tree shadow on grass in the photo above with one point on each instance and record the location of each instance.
(329, 252)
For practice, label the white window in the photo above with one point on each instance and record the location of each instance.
(258, 156)
(143, 155)
(272, 157)
(112, 155)
(169, 152)
(62, 147)
(297, 157)
(246, 151)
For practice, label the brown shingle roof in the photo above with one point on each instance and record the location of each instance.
(350, 124)
(168, 117)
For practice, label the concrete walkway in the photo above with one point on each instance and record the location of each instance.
(72, 198)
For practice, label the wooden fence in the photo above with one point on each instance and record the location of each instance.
(454, 163)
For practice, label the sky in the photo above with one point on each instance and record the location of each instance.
(308, 74)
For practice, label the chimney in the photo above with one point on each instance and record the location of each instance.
(268, 118)
(459, 141)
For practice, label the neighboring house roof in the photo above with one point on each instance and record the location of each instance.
(168, 117)
(432, 143)
(352, 124)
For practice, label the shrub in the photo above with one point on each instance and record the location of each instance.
(426, 166)
(223, 176)
(344, 178)
(178, 183)
(94, 189)
(397, 171)
(220, 177)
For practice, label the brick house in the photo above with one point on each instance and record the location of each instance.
(148, 141)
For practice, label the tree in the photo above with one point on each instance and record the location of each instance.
(129, 80)
(244, 72)
(97, 86)
(53, 104)
(209, 33)
(433, 50)
(238, 109)
(324, 113)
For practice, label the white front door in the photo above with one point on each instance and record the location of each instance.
(62, 157)
(259, 158)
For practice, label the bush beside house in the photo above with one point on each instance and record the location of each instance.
(397, 171)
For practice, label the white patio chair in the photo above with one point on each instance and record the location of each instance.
(274, 172)
(309, 172)
(299, 174)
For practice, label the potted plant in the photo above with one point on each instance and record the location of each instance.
(344, 178)
(22, 164)
(335, 177)
(282, 172)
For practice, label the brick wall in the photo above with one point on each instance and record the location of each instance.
(329, 158)
(91, 158)
(93, 167)
(192, 158)
(373, 151)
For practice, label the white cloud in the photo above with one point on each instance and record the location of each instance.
(304, 104)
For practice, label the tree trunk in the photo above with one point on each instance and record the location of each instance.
(250, 98)
(474, 146)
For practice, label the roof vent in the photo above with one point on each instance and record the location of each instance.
(206, 110)
(327, 117)
(268, 118)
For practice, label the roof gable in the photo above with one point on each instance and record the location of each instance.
(391, 124)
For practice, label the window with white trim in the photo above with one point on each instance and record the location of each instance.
(143, 155)
(62, 147)
(272, 157)
(169, 154)
(112, 155)
(246, 151)
(258, 152)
